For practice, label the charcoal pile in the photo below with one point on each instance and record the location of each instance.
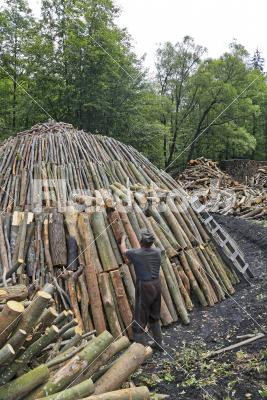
(66, 198)
(221, 193)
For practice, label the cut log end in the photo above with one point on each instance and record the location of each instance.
(15, 306)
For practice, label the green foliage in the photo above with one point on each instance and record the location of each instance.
(74, 64)
(217, 103)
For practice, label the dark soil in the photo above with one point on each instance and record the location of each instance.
(184, 373)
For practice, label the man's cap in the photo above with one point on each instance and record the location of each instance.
(147, 237)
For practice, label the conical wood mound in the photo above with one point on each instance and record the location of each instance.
(67, 197)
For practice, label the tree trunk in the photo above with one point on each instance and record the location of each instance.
(125, 309)
(104, 247)
(33, 350)
(5, 354)
(91, 277)
(67, 375)
(112, 350)
(76, 392)
(32, 314)
(123, 367)
(18, 293)
(9, 319)
(110, 310)
(20, 387)
(137, 393)
(57, 239)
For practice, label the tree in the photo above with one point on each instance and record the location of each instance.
(15, 23)
(175, 66)
(216, 110)
(257, 61)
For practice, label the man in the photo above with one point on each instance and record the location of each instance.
(146, 261)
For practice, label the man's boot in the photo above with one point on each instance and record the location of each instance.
(140, 338)
(157, 343)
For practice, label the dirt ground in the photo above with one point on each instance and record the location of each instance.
(185, 373)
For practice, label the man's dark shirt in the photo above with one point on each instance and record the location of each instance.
(146, 262)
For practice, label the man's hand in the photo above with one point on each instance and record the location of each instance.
(123, 237)
(123, 244)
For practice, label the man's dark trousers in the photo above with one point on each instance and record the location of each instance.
(147, 305)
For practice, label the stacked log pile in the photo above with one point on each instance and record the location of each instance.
(221, 193)
(91, 190)
(240, 169)
(44, 354)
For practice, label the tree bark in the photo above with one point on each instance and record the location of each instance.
(9, 319)
(17, 292)
(112, 350)
(91, 279)
(33, 350)
(124, 366)
(32, 314)
(57, 239)
(5, 354)
(109, 306)
(125, 309)
(76, 392)
(104, 247)
(20, 387)
(66, 375)
(137, 393)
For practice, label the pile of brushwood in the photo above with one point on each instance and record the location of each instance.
(44, 354)
(221, 193)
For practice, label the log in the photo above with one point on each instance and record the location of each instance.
(110, 310)
(17, 292)
(17, 340)
(33, 350)
(184, 292)
(174, 290)
(115, 348)
(91, 279)
(128, 283)
(167, 296)
(57, 240)
(193, 283)
(71, 219)
(75, 340)
(76, 392)
(20, 387)
(60, 360)
(124, 307)
(235, 345)
(123, 367)
(196, 269)
(73, 298)
(88, 324)
(104, 247)
(48, 316)
(165, 315)
(9, 319)
(129, 230)
(5, 353)
(170, 251)
(74, 367)
(31, 315)
(137, 393)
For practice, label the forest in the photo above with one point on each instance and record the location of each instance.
(74, 64)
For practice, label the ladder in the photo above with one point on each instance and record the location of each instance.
(222, 238)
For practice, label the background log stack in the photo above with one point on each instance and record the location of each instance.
(44, 354)
(221, 193)
(66, 199)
